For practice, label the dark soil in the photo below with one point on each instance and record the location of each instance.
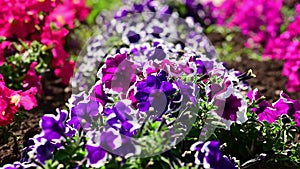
(269, 80)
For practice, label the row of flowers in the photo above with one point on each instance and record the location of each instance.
(150, 93)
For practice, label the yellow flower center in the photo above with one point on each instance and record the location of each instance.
(15, 99)
(61, 19)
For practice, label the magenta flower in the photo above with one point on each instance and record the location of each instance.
(11, 100)
(271, 113)
(297, 118)
(110, 68)
(62, 15)
(286, 105)
(31, 79)
(65, 71)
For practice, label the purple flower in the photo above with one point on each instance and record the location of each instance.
(84, 112)
(127, 148)
(155, 92)
(133, 37)
(15, 165)
(54, 127)
(203, 67)
(158, 54)
(209, 155)
(98, 94)
(96, 155)
(232, 105)
(120, 119)
(189, 91)
(229, 102)
(45, 151)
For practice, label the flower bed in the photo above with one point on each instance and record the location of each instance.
(148, 92)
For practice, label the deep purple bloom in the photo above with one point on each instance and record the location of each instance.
(232, 105)
(84, 112)
(54, 127)
(203, 67)
(16, 165)
(96, 155)
(45, 151)
(119, 118)
(209, 155)
(229, 102)
(155, 92)
(133, 37)
(138, 7)
(189, 91)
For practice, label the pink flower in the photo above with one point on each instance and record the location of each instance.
(59, 56)
(42, 5)
(27, 99)
(11, 100)
(81, 10)
(53, 37)
(14, 16)
(65, 71)
(62, 15)
(290, 70)
(31, 79)
(259, 20)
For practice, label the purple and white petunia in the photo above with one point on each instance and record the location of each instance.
(229, 102)
(209, 155)
(82, 114)
(54, 127)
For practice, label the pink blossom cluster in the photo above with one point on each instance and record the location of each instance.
(287, 47)
(259, 20)
(47, 21)
(11, 101)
